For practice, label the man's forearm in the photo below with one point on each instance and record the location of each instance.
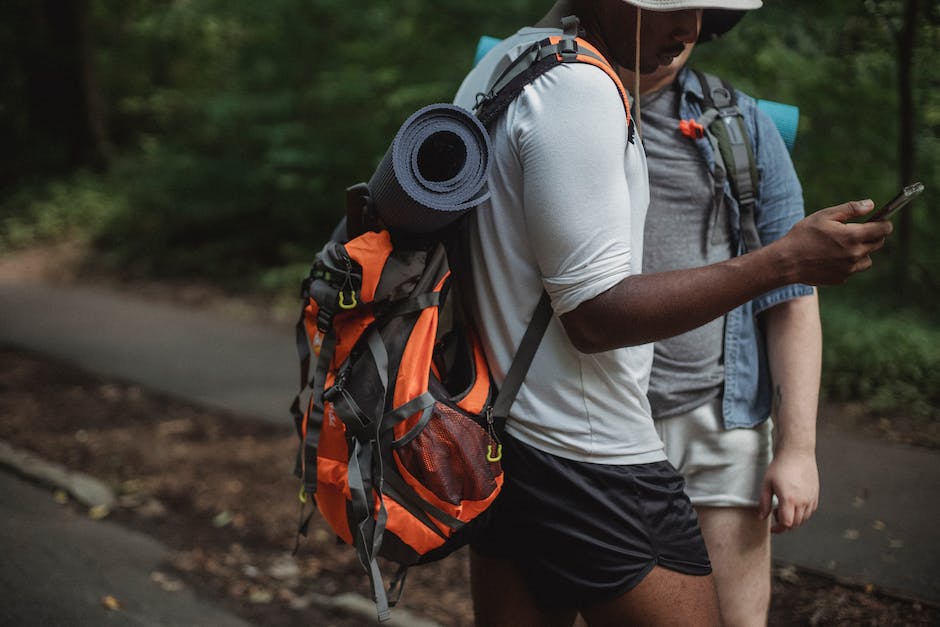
(794, 351)
(666, 304)
(820, 250)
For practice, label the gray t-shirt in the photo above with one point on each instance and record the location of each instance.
(685, 228)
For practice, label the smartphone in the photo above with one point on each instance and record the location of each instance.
(907, 194)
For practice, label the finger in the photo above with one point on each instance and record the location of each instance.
(862, 264)
(785, 514)
(849, 210)
(766, 501)
(873, 231)
(861, 207)
(799, 517)
(875, 244)
(807, 514)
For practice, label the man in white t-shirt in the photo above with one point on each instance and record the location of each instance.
(592, 517)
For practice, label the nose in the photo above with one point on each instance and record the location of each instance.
(687, 24)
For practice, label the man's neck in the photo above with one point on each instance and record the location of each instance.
(552, 19)
(651, 82)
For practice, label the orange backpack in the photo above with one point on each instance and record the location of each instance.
(399, 437)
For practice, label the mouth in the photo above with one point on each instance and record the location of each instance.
(666, 57)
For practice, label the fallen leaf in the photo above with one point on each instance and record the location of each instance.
(97, 512)
(111, 603)
(61, 497)
(260, 596)
(788, 574)
(166, 582)
(223, 519)
(878, 525)
(850, 534)
(896, 544)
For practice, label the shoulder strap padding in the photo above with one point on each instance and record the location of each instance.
(537, 59)
(728, 134)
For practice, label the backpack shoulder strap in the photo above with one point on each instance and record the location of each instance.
(538, 58)
(525, 353)
(731, 141)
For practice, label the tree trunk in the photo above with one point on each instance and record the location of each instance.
(64, 110)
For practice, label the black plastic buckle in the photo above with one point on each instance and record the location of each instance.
(568, 49)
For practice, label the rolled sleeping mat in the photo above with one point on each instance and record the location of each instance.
(435, 170)
(484, 45)
(786, 118)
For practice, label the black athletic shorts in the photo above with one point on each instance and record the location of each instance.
(585, 533)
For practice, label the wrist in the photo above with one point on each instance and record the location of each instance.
(783, 261)
(798, 446)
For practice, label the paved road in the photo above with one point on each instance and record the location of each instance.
(189, 353)
(876, 524)
(42, 584)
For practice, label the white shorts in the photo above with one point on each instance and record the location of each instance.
(721, 467)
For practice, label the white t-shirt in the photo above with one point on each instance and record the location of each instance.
(566, 214)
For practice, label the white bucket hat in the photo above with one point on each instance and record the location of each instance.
(676, 5)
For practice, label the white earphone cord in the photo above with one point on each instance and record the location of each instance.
(636, 74)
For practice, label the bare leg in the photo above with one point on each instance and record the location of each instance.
(501, 598)
(739, 548)
(664, 597)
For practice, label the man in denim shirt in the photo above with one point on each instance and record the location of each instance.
(711, 388)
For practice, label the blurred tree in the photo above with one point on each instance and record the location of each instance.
(236, 126)
(867, 91)
(53, 119)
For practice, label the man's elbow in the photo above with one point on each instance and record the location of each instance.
(585, 334)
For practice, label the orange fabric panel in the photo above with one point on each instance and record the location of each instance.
(415, 367)
(371, 251)
(331, 499)
(332, 446)
(410, 530)
(479, 394)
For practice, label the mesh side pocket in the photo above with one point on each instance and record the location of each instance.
(448, 457)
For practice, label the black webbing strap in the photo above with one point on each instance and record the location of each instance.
(728, 134)
(521, 362)
(365, 460)
(524, 70)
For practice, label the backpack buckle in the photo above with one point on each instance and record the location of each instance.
(567, 49)
(360, 211)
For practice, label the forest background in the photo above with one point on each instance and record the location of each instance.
(214, 140)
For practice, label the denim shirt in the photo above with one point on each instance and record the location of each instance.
(746, 400)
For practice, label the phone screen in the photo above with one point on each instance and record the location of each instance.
(908, 194)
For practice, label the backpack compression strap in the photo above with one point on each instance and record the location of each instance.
(734, 156)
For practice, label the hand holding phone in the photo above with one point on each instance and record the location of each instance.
(900, 201)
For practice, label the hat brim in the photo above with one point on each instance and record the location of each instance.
(677, 5)
(717, 22)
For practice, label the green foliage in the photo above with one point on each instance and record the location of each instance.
(245, 122)
(70, 207)
(836, 61)
(889, 360)
(238, 125)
